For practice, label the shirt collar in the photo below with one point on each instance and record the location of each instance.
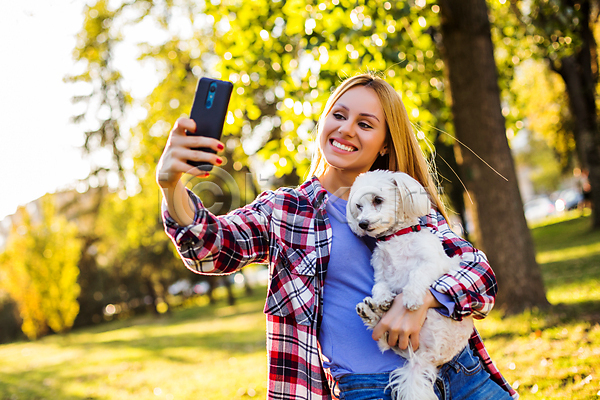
(315, 192)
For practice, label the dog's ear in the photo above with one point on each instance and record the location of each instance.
(413, 196)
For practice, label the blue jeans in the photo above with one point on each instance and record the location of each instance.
(364, 387)
(462, 378)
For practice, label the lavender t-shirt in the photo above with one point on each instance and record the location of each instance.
(345, 340)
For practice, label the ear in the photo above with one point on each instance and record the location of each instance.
(414, 197)
(351, 213)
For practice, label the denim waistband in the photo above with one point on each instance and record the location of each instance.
(350, 382)
(455, 362)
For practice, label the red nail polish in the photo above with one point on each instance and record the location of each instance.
(220, 146)
(219, 161)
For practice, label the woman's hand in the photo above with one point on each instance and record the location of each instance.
(404, 326)
(174, 163)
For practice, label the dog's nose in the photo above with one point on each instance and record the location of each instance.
(363, 224)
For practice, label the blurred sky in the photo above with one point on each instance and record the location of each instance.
(38, 145)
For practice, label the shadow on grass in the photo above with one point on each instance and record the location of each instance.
(588, 311)
(198, 332)
(555, 316)
(564, 234)
(580, 270)
(244, 305)
(231, 343)
(35, 384)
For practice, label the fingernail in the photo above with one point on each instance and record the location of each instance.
(219, 160)
(220, 146)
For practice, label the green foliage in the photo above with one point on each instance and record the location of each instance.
(555, 25)
(540, 95)
(539, 35)
(285, 57)
(40, 271)
(538, 157)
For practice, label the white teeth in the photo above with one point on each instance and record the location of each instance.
(341, 146)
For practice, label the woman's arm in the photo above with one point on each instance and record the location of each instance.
(472, 290)
(206, 243)
(404, 326)
(173, 164)
(473, 287)
(222, 244)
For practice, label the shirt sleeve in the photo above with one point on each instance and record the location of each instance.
(447, 308)
(222, 244)
(473, 287)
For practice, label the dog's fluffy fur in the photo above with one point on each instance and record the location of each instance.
(381, 203)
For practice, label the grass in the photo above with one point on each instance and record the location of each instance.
(218, 352)
(202, 352)
(555, 354)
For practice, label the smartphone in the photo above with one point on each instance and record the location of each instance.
(209, 110)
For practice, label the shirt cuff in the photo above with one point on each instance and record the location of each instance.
(447, 308)
(183, 235)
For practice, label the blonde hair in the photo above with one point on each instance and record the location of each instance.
(404, 153)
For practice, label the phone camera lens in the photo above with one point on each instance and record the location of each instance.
(212, 89)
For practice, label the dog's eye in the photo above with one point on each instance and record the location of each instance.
(377, 200)
(359, 207)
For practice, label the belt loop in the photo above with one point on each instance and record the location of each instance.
(439, 383)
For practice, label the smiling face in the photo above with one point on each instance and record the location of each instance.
(354, 132)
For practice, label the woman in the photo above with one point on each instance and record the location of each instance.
(317, 345)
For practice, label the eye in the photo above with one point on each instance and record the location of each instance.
(337, 115)
(364, 125)
(359, 207)
(377, 200)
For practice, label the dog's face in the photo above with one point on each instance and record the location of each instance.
(382, 202)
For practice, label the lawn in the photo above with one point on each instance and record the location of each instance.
(199, 352)
(218, 352)
(555, 354)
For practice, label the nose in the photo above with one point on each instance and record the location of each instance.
(345, 128)
(364, 224)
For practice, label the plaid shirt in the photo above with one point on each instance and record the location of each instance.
(289, 230)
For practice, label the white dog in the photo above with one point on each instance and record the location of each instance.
(408, 260)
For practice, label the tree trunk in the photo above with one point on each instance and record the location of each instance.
(579, 73)
(500, 229)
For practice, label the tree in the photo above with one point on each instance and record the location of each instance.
(40, 271)
(497, 206)
(283, 57)
(105, 102)
(563, 30)
(539, 95)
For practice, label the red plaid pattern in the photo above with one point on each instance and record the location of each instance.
(289, 230)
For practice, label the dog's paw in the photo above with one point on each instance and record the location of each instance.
(413, 300)
(386, 301)
(362, 312)
(366, 310)
(413, 306)
(412, 303)
(369, 302)
(386, 305)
